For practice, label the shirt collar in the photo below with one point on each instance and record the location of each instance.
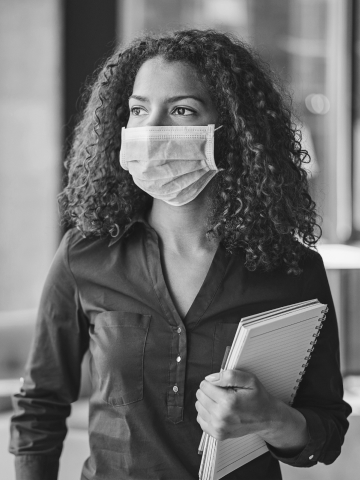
(138, 218)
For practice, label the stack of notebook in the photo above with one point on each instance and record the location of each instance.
(276, 347)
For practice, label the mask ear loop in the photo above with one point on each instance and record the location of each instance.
(114, 230)
(218, 128)
(219, 169)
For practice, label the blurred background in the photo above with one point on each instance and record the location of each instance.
(49, 50)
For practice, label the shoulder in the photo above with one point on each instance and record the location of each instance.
(75, 250)
(311, 260)
(314, 277)
(73, 241)
(66, 261)
(310, 283)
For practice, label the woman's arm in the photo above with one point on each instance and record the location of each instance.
(235, 403)
(52, 375)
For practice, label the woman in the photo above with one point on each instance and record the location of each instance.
(171, 249)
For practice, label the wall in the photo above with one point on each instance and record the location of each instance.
(30, 147)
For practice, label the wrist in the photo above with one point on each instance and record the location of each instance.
(275, 419)
(287, 429)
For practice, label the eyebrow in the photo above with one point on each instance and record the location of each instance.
(169, 99)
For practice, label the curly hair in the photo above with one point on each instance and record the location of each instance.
(260, 203)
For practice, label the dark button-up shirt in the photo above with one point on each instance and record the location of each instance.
(147, 362)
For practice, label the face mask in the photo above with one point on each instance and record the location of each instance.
(173, 164)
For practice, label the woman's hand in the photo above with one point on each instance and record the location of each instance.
(234, 403)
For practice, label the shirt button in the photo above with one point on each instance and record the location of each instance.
(311, 457)
(178, 330)
(175, 389)
(178, 359)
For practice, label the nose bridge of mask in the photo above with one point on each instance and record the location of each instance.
(168, 143)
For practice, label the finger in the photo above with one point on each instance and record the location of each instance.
(206, 426)
(206, 401)
(203, 424)
(211, 429)
(202, 412)
(216, 393)
(232, 379)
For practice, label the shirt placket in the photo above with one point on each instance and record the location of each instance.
(177, 370)
(178, 357)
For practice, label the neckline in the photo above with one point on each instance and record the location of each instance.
(212, 281)
(204, 296)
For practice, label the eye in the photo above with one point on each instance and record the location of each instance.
(183, 111)
(137, 111)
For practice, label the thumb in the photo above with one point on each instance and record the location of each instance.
(214, 377)
(231, 378)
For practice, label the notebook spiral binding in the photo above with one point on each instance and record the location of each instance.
(307, 358)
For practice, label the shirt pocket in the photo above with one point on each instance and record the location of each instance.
(224, 334)
(119, 347)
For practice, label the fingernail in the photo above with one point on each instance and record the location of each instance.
(213, 377)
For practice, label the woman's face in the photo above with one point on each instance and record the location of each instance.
(169, 93)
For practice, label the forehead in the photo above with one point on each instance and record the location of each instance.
(157, 75)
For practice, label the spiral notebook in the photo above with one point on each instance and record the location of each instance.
(275, 346)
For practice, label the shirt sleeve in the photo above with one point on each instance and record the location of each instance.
(320, 394)
(52, 375)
